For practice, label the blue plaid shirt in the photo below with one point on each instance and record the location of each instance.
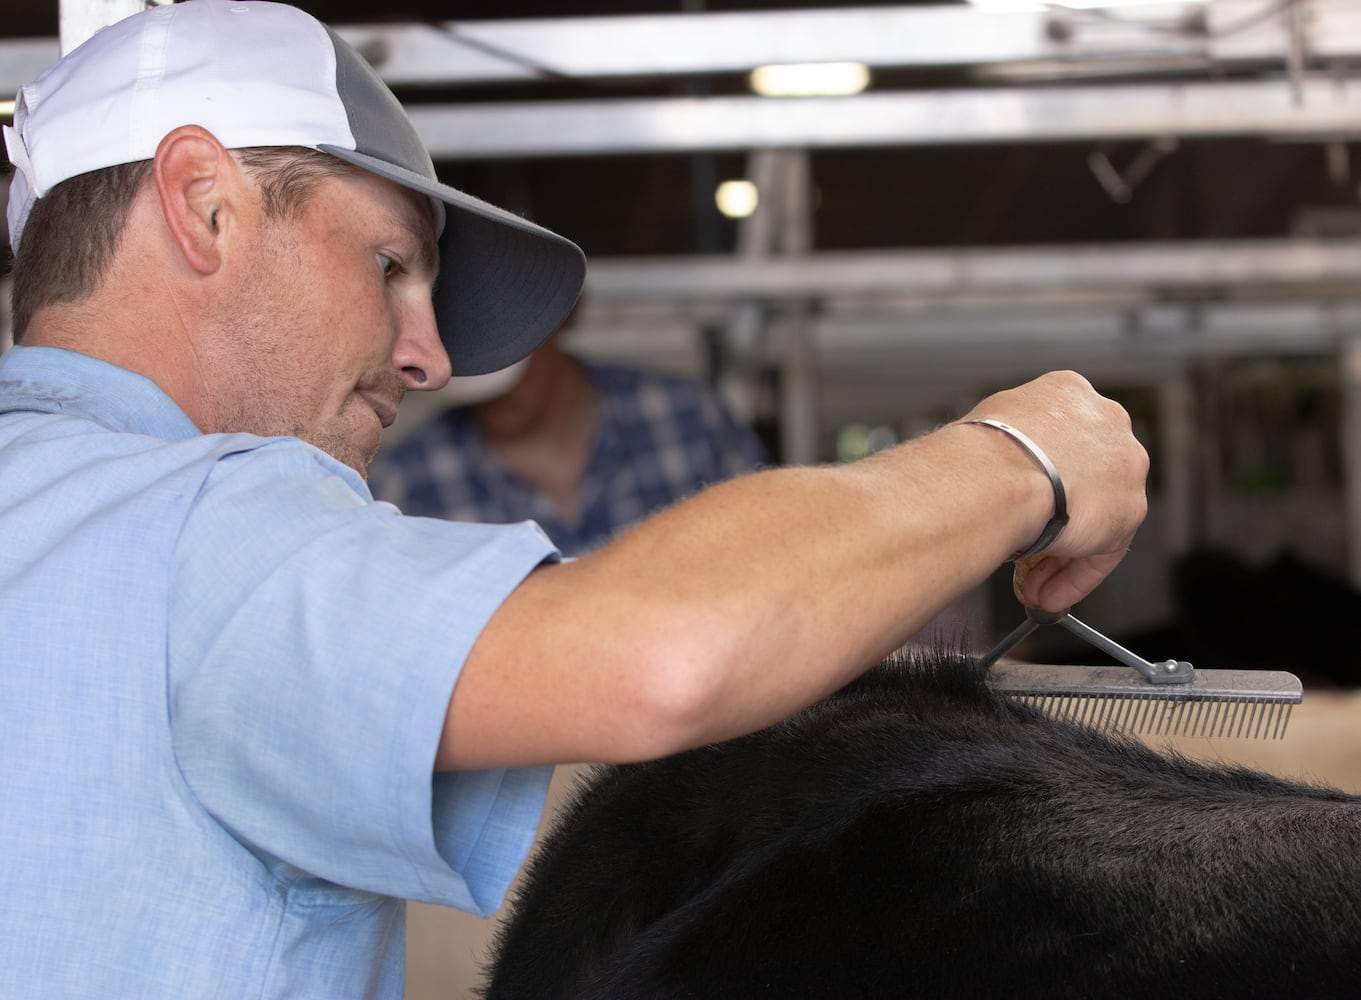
(660, 438)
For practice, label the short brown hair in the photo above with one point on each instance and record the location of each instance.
(73, 231)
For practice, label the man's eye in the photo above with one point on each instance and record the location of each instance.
(388, 265)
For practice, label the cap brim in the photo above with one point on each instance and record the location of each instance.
(504, 283)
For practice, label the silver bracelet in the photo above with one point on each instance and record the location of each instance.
(1059, 521)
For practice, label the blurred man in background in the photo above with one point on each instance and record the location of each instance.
(584, 449)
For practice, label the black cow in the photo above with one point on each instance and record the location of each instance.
(915, 835)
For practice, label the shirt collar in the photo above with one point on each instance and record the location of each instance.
(53, 380)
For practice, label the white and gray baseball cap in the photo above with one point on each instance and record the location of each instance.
(267, 74)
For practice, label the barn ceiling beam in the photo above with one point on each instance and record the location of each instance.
(1180, 271)
(1276, 108)
(1220, 33)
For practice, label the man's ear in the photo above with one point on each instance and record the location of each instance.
(198, 183)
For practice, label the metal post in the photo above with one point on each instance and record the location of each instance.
(748, 318)
(798, 367)
(1177, 462)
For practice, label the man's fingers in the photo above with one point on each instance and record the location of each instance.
(1057, 583)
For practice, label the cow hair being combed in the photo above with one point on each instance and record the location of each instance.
(917, 835)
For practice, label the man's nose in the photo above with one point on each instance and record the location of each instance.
(419, 353)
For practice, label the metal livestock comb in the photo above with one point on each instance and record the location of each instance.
(1169, 698)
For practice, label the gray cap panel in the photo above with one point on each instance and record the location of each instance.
(504, 284)
(377, 119)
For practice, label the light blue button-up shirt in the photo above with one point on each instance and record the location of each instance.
(223, 673)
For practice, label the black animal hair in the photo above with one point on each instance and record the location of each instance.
(917, 835)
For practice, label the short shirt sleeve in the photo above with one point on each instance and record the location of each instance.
(315, 639)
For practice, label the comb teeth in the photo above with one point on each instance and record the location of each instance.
(1216, 704)
(1148, 716)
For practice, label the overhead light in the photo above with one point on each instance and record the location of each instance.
(1042, 5)
(736, 199)
(1087, 69)
(833, 79)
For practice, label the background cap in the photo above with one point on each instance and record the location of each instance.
(267, 74)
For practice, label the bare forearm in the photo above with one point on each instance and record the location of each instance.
(801, 577)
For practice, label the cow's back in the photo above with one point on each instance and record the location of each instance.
(915, 835)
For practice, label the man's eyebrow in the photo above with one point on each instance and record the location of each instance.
(426, 255)
(419, 226)
(427, 250)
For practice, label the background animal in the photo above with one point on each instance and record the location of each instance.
(917, 835)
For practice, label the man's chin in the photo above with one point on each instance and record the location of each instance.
(360, 463)
(351, 451)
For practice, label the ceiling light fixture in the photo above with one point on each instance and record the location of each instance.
(736, 199)
(833, 79)
(992, 6)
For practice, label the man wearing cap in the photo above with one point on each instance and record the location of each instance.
(245, 710)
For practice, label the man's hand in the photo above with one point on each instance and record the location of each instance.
(1103, 467)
